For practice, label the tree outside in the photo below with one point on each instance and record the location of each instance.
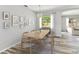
(45, 21)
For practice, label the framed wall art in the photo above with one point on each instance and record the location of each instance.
(26, 22)
(6, 24)
(15, 20)
(22, 20)
(6, 15)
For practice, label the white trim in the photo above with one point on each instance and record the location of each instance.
(52, 21)
(40, 22)
(9, 47)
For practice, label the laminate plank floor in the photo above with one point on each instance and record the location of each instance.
(68, 44)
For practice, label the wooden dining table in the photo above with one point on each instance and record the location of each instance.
(37, 35)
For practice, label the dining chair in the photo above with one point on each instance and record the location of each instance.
(28, 44)
(24, 42)
(51, 37)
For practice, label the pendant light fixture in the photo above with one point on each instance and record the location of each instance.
(40, 13)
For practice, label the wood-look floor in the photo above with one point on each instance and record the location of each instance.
(65, 45)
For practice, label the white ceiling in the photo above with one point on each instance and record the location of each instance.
(38, 8)
(67, 9)
(71, 12)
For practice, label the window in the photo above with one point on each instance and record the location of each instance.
(46, 20)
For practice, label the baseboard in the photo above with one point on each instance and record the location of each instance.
(9, 47)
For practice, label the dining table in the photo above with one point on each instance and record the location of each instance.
(37, 35)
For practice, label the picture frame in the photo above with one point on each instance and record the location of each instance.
(22, 20)
(26, 22)
(6, 15)
(15, 20)
(6, 24)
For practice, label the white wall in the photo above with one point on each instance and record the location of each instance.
(11, 36)
(64, 26)
(57, 23)
(37, 21)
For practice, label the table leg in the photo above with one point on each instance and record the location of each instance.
(30, 46)
(52, 45)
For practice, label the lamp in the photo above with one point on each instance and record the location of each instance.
(40, 13)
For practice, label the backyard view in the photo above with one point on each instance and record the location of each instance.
(45, 21)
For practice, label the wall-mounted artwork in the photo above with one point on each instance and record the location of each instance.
(26, 22)
(6, 24)
(22, 20)
(6, 15)
(15, 20)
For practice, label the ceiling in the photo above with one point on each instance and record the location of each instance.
(66, 9)
(38, 8)
(71, 12)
